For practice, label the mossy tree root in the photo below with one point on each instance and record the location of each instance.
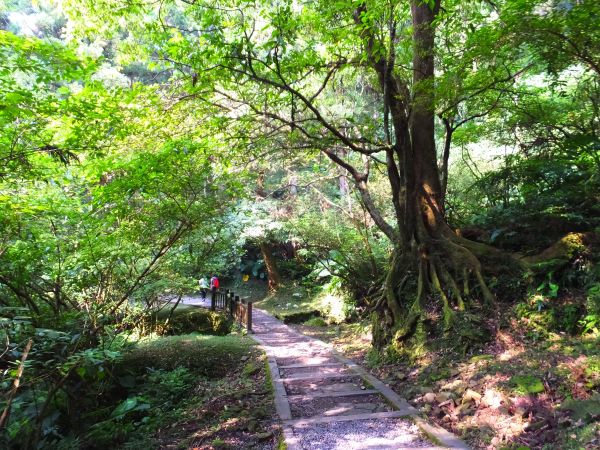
(443, 266)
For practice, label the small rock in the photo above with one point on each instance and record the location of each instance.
(516, 428)
(458, 386)
(245, 358)
(520, 411)
(493, 399)
(430, 397)
(471, 396)
(464, 409)
(442, 397)
(424, 390)
(264, 436)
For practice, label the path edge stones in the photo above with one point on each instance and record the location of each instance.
(282, 404)
(438, 435)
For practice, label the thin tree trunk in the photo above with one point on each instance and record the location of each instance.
(13, 392)
(445, 159)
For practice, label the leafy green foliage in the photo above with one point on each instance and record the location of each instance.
(126, 133)
(527, 384)
(193, 320)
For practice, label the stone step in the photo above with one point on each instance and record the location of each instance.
(324, 385)
(351, 405)
(317, 376)
(297, 423)
(302, 366)
(309, 358)
(310, 396)
(314, 370)
(282, 341)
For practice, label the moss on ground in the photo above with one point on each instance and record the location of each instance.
(211, 356)
(192, 319)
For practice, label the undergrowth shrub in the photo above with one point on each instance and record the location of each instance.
(148, 401)
(591, 321)
(211, 356)
(337, 303)
(195, 320)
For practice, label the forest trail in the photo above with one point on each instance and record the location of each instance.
(328, 402)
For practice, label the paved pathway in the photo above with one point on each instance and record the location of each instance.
(327, 402)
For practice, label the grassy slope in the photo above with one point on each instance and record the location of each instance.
(189, 391)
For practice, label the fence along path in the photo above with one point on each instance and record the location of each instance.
(239, 309)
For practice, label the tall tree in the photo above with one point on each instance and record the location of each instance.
(281, 68)
(357, 81)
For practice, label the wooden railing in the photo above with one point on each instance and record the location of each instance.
(238, 309)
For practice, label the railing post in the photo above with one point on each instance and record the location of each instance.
(249, 317)
(213, 299)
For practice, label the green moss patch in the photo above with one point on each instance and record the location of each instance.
(211, 356)
(191, 319)
(586, 410)
(527, 384)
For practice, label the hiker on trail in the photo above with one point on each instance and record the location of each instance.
(214, 282)
(203, 287)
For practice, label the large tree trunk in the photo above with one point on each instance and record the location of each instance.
(271, 265)
(429, 260)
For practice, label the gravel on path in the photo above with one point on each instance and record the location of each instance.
(361, 435)
(284, 347)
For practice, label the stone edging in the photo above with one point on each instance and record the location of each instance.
(439, 435)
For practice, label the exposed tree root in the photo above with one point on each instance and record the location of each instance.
(444, 268)
(560, 253)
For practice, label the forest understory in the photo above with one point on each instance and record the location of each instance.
(417, 182)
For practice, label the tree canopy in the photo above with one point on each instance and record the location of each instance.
(427, 158)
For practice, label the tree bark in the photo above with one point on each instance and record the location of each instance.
(271, 265)
(445, 160)
(429, 260)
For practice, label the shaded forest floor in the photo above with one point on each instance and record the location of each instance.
(234, 411)
(526, 387)
(196, 386)
(517, 391)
